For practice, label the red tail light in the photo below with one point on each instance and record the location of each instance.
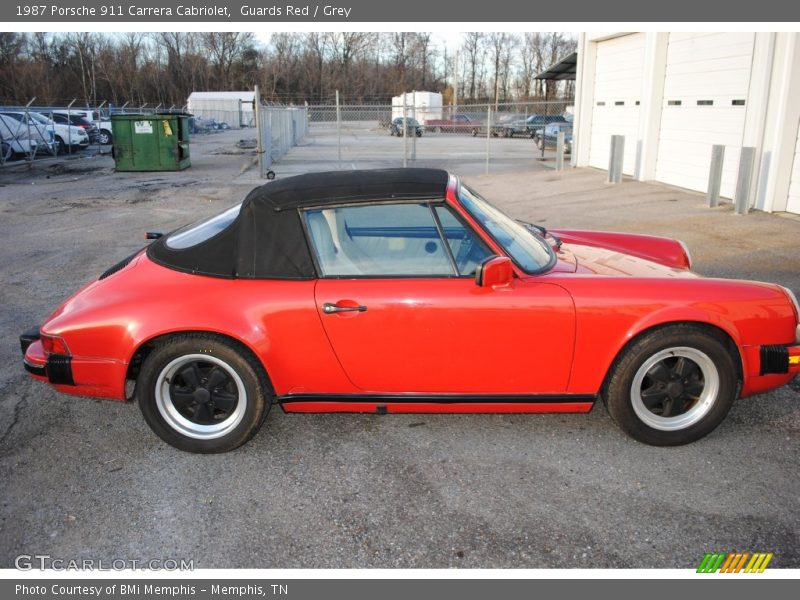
(53, 344)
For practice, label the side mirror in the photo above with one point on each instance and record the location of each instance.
(493, 272)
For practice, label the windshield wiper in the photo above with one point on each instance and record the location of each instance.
(542, 230)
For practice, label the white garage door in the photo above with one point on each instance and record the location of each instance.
(705, 88)
(793, 203)
(617, 93)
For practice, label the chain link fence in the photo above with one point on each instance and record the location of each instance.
(355, 136)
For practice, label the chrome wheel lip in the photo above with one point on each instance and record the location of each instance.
(706, 401)
(181, 424)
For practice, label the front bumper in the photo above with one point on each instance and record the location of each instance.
(779, 359)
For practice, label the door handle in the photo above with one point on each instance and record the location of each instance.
(329, 308)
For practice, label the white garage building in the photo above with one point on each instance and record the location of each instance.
(674, 95)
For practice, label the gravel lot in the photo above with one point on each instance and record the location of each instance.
(87, 479)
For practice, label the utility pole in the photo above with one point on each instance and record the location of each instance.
(455, 82)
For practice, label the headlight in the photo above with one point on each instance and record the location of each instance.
(790, 294)
(687, 253)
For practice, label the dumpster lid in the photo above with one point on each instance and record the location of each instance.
(264, 238)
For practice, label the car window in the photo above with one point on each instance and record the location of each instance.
(528, 250)
(467, 248)
(204, 230)
(378, 240)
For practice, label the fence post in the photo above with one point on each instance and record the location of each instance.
(488, 133)
(615, 158)
(742, 197)
(405, 132)
(414, 120)
(715, 175)
(559, 150)
(338, 130)
(262, 137)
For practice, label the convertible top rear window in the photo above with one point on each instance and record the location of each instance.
(201, 231)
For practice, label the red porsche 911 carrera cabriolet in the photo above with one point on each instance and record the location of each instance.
(405, 291)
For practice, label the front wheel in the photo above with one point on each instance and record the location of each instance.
(672, 386)
(202, 394)
(105, 137)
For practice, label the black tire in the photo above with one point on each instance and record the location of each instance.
(708, 372)
(391, 131)
(171, 397)
(105, 138)
(61, 147)
(270, 175)
(419, 133)
(474, 133)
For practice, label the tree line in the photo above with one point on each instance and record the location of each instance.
(366, 67)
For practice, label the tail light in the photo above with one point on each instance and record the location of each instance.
(53, 344)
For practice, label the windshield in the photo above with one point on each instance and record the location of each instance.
(203, 230)
(37, 117)
(527, 249)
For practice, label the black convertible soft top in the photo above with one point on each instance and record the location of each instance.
(266, 240)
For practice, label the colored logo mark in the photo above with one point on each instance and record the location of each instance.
(735, 562)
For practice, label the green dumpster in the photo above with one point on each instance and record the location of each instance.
(150, 142)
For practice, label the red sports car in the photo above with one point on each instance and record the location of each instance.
(406, 291)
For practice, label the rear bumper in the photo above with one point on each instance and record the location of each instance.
(81, 376)
(55, 368)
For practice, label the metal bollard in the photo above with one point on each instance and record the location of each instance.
(559, 151)
(747, 160)
(615, 158)
(715, 175)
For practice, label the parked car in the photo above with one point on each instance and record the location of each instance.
(98, 119)
(510, 125)
(65, 136)
(404, 290)
(549, 136)
(458, 123)
(535, 122)
(78, 121)
(412, 127)
(202, 125)
(17, 139)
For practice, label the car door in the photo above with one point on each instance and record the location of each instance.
(402, 311)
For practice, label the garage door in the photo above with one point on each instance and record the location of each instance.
(617, 93)
(793, 203)
(705, 88)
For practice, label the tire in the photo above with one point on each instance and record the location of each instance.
(183, 384)
(419, 133)
(105, 138)
(391, 132)
(684, 370)
(474, 133)
(61, 147)
(437, 130)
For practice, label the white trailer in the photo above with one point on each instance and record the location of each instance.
(233, 108)
(426, 105)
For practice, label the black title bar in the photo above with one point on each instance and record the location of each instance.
(360, 11)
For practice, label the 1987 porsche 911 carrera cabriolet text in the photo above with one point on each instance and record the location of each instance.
(405, 291)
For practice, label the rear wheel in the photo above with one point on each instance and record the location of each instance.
(61, 147)
(672, 386)
(202, 394)
(105, 137)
